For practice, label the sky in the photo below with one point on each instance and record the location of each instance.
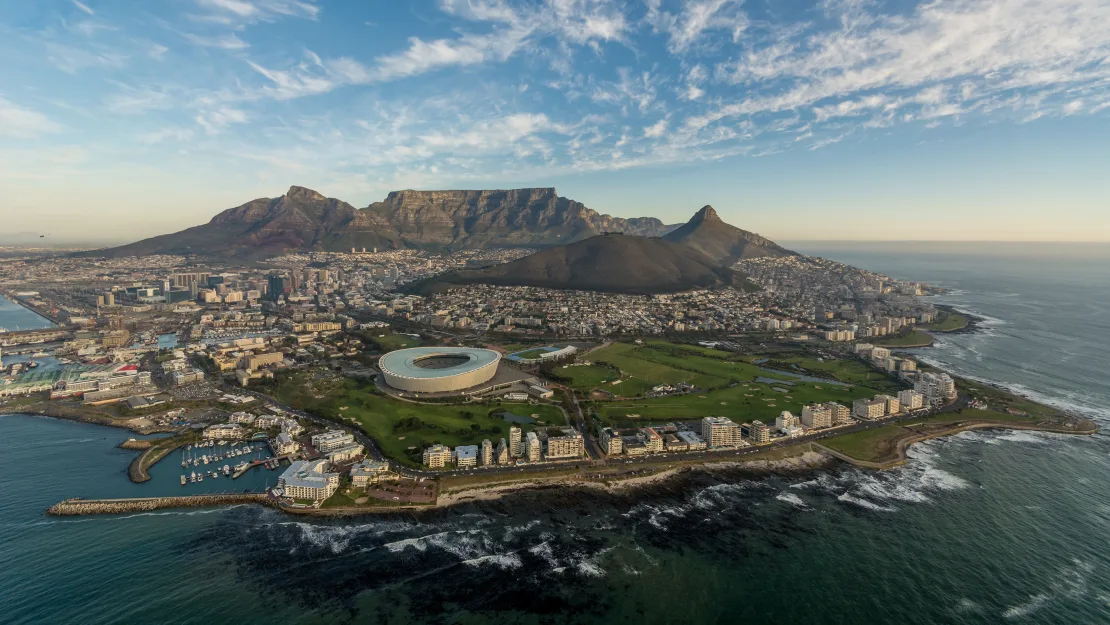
(962, 120)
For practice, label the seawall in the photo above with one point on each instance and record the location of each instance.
(79, 507)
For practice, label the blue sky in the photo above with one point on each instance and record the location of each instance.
(840, 119)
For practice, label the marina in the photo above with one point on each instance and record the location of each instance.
(221, 463)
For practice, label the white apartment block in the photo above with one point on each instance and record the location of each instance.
(720, 432)
(840, 413)
(611, 442)
(817, 416)
(911, 399)
(869, 408)
(437, 456)
(332, 439)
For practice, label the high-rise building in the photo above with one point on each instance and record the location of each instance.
(759, 432)
(720, 432)
(535, 448)
(911, 399)
(437, 456)
(570, 445)
(278, 286)
(816, 416)
(651, 440)
(501, 455)
(891, 404)
(487, 448)
(611, 442)
(840, 414)
(515, 448)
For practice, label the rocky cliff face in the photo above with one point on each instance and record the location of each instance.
(303, 220)
(499, 218)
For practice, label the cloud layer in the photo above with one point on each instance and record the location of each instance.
(370, 97)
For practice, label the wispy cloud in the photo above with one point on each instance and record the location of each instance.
(84, 7)
(22, 123)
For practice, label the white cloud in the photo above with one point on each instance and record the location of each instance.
(988, 47)
(656, 130)
(216, 120)
(21, 123)
(229, 41)
(685, 29)
(233, 12)
(83, 7)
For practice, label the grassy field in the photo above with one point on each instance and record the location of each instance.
(874, 445)
(742, 403)
(586, 377)
(398, 425)
(847, 370)
(948, 323)
(915, 338)
(645, 367)
(390, 342)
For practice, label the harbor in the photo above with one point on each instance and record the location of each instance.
(220, 467)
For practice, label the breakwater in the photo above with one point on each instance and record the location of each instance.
(80, 507)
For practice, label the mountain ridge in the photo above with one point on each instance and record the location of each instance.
(304, 220)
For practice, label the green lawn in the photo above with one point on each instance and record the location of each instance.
(390, 342)
(586, 377)
(949, 322)
(741, 403)
(648, 367)
(915, 338)
(847, 370)
(381, 416)
(874, 445)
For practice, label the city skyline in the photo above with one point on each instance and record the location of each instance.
(969, 120)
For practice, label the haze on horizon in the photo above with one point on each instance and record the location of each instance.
(854, 120)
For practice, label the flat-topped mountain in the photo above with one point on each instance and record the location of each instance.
(304, 220)
(724, 243)
(611, 263)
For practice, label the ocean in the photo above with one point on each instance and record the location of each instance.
(977, 528)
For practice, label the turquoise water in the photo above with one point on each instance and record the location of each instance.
(977, 528)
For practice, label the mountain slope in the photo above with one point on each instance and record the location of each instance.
(722, 242)
(304, 220)
(611, 263)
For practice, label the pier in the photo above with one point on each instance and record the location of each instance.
(80, 507)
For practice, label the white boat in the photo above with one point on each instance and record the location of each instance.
(200, 478)
(182, 480)
(193, 476)
(204, 459)
(227, 470)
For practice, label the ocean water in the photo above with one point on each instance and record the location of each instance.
(15, 317)
(977, 528)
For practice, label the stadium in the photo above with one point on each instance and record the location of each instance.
(438, 369)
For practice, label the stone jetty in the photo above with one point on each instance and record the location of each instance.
(80, 507)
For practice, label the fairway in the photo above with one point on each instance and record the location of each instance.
(647, 367)
(741, 403)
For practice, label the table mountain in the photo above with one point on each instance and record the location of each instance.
(304, 220)
(612, 263)
(724, 243)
